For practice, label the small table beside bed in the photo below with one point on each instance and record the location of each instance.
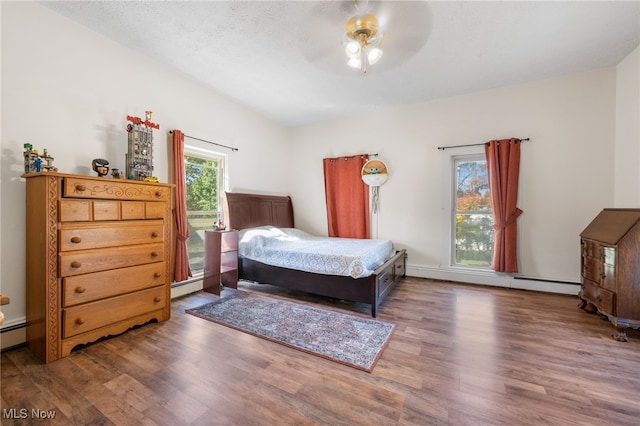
(357, 270)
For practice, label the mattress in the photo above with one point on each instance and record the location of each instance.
(295, 249)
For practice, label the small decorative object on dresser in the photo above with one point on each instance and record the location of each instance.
(99, 253)
(221, 260)
(100, 166)
(139, 157)
(610, 280)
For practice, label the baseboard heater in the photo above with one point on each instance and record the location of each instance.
(13, 327)
(545, 280)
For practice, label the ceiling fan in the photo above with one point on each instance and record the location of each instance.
(355, 35)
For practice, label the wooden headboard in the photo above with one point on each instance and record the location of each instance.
(251, 210)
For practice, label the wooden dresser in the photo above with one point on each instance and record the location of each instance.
(610, 248)
(98, 258)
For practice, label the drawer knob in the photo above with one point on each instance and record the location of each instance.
(80, 290)
(156, 299)
(75, 264)
(154, 235)
(154, 254)
(158, 194)
(79, 321)
(157, 275)
(76, 239)
(80, 187)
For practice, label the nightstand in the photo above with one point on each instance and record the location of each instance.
(221, 260)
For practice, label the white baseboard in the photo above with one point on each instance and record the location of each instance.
(13, 333)
(490, 278)
(184, 289)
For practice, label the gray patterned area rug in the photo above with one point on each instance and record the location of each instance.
(347, 339)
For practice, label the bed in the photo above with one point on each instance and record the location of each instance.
(244, 211)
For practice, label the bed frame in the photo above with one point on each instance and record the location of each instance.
(251, 210)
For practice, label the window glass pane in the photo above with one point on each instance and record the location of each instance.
(473, 215)
(203, 180)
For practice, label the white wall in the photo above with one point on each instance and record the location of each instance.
(627, 136)
(70, 90)
(566, 168)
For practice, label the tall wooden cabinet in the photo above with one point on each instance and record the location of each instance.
(610, 284)
(98, 259)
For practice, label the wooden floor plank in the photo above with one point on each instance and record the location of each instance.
(460, 355)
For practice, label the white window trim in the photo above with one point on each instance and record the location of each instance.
(448, 203)
(203, 150)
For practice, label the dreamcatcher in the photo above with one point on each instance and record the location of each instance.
(374, 174)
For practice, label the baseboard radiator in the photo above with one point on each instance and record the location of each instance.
(490, 278)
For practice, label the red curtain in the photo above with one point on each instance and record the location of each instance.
(503, 163)
(347, 197)
(181, 269)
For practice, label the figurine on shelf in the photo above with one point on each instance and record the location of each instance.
(115, 173)
(35, 162)
(100, 166)
(220, 226)
(30, 156)
(47, 165)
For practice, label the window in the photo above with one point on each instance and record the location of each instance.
(472, 213)
(204, 178)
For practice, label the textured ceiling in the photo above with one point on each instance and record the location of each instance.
(285, 60)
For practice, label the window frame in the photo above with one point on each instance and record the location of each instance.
(474, 155)
(203, 152)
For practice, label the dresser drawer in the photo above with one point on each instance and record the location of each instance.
(592, 268)
(154, 210)
(86, 261)
(106, 188)
(82, 236)
(83, 318)
(75, 210)
(385, 280)
(601, 298)
(99, 285)
(87, 211)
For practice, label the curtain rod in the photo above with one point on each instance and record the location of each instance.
(353, 156)
(473, 144)
(212, 143)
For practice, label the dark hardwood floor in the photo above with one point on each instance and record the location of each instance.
(460, 355)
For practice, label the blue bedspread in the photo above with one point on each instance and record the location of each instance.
(295, 249)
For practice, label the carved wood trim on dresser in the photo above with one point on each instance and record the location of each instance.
(98, 254)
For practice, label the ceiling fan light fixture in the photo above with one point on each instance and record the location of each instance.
(355, 63)
(361, 38)
(373, 55)
(353, 49)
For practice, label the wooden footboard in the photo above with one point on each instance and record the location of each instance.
(372, 289)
